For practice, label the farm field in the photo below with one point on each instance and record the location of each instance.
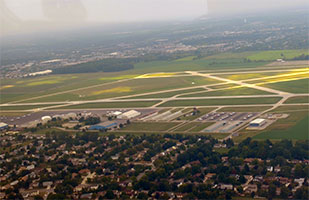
(239, 90)
(214, 102)
(136, 104)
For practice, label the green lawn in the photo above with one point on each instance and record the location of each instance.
(230, 92)
(295, 86)
(298, 132)
(212, 102)
(136, 104)
(303, 99)
(150, 126)
(186, 126)
(194, 65)
(200, 127)
(222, 86)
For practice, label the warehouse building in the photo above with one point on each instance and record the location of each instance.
(129, 115)
(104, 126)
(258, 122)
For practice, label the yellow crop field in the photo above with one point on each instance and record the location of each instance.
(156, 75)
(6, 86)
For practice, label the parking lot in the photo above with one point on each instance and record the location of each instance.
(226, 122)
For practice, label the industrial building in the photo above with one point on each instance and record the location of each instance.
(104, 125)
(129, 115)
(258, 122)
(3, 126)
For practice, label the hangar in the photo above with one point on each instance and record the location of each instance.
(257, 122)
(104, 125)
(129, 115)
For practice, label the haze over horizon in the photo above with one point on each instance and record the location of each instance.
(19, 16)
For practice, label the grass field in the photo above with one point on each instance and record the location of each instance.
(302, 99)
(261, 55)
(194, 65)
(294, 86)
(168, 94)
(129, 87)
(274, 55)
(200, 127)
(136, 104)
(297, 132)
(24, 88)
(288, 126)
(213, 102)
(222, 86)
(244, 109)
(238, 77)
(150, 126)
(186, 126)
(30, 107)
(230, 92)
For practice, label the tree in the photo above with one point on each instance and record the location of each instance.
(285, 192)
(272, 191)
(38, 197)
(109, 194)
(56, 196)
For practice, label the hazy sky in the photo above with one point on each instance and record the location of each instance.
(19, 16)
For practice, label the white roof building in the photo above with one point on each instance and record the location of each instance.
(46, 118)
(257, 122)
(129, 115)
(3, 125)
(116, 113)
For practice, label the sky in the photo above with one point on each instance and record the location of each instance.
(19, 16)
